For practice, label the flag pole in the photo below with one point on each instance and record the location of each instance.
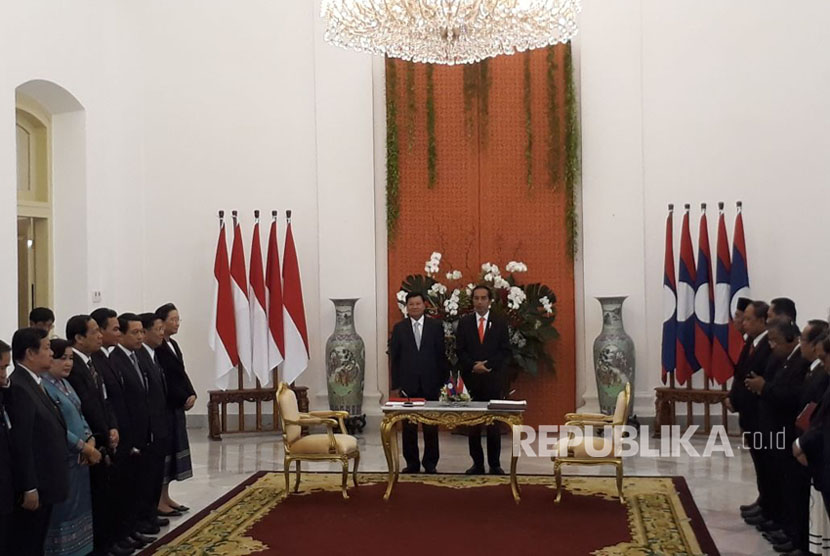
(671, 375)
(288, 223)
(707, 379)
(724, 411)
(239, 376)
(689, 406)
(256, 381)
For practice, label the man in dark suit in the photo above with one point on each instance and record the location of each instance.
(6, 478)
(483, 348)
(779, 393)
(133, 390)
(752, 362)
(420, 368)
(161, 416)
(811, 449)
(38, 444)
(121, 498)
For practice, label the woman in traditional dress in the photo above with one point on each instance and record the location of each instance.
(180, 397)
(70, 526)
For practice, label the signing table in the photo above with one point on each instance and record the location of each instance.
(448, 416)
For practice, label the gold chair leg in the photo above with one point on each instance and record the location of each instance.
(286, 466)
(345, 462)
(356, 463)
(297, 481)
(557, 473)
(619, 467)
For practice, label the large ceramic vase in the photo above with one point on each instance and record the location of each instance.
(345, 362)
(613, 355)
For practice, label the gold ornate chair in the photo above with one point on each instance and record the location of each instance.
(314, 447)
(577, 451)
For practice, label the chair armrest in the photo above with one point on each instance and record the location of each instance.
(305, 421)
(587, 423)
(343, 414)
(588, 417)
(340, 415)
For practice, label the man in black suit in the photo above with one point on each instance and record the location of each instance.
(779, 392)
(483, 348)
(122, 473)
(85, 337)
(811, 449)
(753, 361)
(38, 443)
(420, 368)
(161, 416)
(133, 389)
(6, 478)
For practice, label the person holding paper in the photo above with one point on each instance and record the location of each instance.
(483, 348)
(420, 368)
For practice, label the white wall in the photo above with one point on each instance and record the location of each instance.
(699, 102)
(196, 105)
(192, 106)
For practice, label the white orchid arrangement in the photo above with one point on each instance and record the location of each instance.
(528, 308)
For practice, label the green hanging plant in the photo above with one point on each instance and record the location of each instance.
(528, 122)
(470, 76)
(572, 154)
(484, 82)
(553, 119)
(393, 177)
(432, 154)
(411, 107)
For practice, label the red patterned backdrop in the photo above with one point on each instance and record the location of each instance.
(481, 207)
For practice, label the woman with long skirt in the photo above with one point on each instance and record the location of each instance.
(181, 397)
(70, 526)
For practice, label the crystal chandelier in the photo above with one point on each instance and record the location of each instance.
(448, 31)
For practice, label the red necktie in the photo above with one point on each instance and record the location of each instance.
(481, 329)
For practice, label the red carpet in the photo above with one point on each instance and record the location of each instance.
(445, 515)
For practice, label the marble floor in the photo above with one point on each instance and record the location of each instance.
(718, 484)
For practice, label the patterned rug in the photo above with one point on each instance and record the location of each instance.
(466, 515)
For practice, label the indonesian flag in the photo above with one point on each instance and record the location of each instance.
(686, 362)
(722, 365)
(460, 387)
(739, 282)
(669, 348)
(296, 336)
(241, 309)
(222, 338)
(704, 298)
(273, 286)
(259, 318)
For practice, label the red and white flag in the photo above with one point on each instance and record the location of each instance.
(241, 308)
(223, 331)
(296, 335)
(259, 317)
(273, 285)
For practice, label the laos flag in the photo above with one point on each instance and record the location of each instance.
(739, 282)
(686, 362)
(669, 303)
(722, 365)
(704, 297)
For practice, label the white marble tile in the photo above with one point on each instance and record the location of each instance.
(718, 484)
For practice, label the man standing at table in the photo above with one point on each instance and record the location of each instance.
(483, 349)
(419, 370)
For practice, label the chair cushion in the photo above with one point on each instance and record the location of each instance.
(319, 444)
(578, 447)
(287, 404)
